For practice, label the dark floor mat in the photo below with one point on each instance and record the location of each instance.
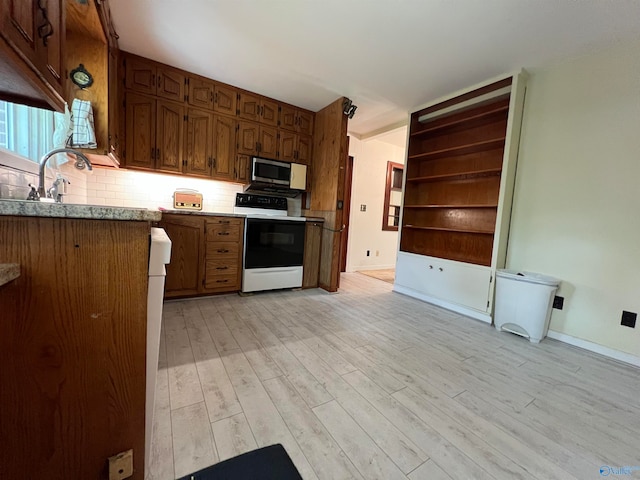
(267, 463)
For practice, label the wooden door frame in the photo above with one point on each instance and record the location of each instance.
(346, 212)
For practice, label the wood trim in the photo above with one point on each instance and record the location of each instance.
(387, 196)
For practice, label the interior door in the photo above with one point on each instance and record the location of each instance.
(346, 212)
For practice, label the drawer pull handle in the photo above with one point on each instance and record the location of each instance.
(222, 268)
(223, 233)
(224, 221)
(223, 251)
(222, 281)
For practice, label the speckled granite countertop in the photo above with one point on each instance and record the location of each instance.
(25, 208)
(8, 272)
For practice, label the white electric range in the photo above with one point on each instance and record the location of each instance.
(273, 243)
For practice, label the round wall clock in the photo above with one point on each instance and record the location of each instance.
(81, 77)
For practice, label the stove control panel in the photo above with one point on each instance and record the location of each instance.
(252, 200)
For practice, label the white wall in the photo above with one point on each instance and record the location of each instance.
(365, 230)
(576, 210)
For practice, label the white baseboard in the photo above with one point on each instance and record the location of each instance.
(469, 312)
(360, 268)
(594, 347)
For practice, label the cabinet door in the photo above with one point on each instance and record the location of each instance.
(140, 130)
(201, 93)
(287, 145)
(54, 48)
(268, 142)
(249, 106)
(170, 84)
(311, 262)
(140, 75)
(303, 150)
(224, 141)
(248, 134)
(184, 273)
(226, 100)
(269, 112)
(288, 117)
(242, 171)
(20, 22)
(198, 143)
(305, 122)
(169, 136)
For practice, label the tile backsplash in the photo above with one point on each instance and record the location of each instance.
(128, 188)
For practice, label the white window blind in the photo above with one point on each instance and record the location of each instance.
(26, 131)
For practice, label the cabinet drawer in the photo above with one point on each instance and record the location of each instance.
(227, 281)
(223, 250)
(224, 221)
(223, 232)
(221, 267)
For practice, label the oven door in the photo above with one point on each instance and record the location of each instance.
(273, 254)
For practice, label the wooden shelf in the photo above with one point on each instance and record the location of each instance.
(461, 121)
(453, 230)
(451, 206)
(461, 149)
(457, 176)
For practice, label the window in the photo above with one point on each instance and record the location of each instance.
(26, 131)
(392, 197)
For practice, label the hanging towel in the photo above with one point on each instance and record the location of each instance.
(84, 136)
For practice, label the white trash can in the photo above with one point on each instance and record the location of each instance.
(523, 303)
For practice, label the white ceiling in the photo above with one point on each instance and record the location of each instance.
(386, 55)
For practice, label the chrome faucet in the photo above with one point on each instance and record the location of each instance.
(81, 162)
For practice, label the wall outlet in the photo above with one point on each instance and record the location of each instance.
(368, 252)
(363, 208)
(628, 319)
(558, 302)
(121, 465)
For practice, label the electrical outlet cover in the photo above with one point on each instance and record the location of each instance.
(629, 319)
(121, 465)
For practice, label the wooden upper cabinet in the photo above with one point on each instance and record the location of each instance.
(31, 59)
(305, 122)
(141, 75)
(225, 100)
(171, 84)
(296, 120)
(248, 134)
(242, 170)
(288, 116)
(287, 146)
(140, 130)
(305, 146)
(224, 146)
(268, 142)
(249, 106)
(53, 54)
(198, 145)
(201, 93)
(114, 103)
(269, 112)
(169, 136)
(20, 22)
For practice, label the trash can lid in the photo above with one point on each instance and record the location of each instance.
(529, 277)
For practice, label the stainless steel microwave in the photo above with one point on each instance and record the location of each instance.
(284, 175)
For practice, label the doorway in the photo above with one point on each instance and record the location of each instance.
(346, 213)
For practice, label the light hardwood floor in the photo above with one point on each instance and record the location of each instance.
(370, 384)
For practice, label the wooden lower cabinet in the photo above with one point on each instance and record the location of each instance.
(73, 346)
(206, 254)
(312, 246)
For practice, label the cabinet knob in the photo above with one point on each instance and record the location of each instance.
(440, 268)
(430, 266)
